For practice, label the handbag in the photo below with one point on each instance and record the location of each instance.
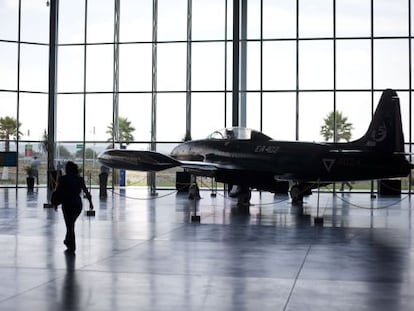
(57, 197)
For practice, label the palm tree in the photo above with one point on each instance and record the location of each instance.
(125, 129)
(9, 128)
(343, 127)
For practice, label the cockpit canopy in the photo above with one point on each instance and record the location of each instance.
(238, 133)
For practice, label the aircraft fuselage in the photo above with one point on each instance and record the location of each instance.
(247, 162)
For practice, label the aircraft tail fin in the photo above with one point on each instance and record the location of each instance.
(385, 130)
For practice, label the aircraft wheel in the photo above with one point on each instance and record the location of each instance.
(296, 194)
(244, 197)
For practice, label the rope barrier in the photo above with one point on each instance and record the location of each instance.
(374, 208)
(330, 191)
(205, 185)
(144, 199)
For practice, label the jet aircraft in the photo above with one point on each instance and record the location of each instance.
(252, 160)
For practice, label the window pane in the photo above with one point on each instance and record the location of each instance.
(391, 67)
(26, 157)
(407, 133)
(315, 64)
(92, 166)
(165, 148)
(208, 20)
(166, 178)
(229, 110)
(9, 16)
(8, 174)
(70, 69)
(279, 19)
(172, 20)
(229, 75)
(279, 65)
(33, 115)
(8, 109)
(391, 18)
(8, 104)
(207, 66)
(253, 66)
(34, 68)
(206, 106)
(99, 68)
(315, 18)
(136, 20)
(405, 114)
(171, 66)
(135, 67)
(65, 152)
(137, 109)
(356, 106)
(253, 19)
(35, 21)
(8, 65)
(100, 21)
(69, 118)
(71, 21)
(412, 23)
(253, 110)
(98, 116)
(171, 117)
(229, 23)
(311, 119)
(279, 115)
(353, 18)
(353, 64)
(412, 63)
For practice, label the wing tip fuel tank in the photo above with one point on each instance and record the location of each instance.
(137, 160)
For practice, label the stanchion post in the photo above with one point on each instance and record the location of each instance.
(318, 220)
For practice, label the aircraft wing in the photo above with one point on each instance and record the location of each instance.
(197, 165)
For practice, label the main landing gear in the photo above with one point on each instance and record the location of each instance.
(298, 191)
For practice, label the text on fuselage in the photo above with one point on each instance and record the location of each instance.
(267, 149)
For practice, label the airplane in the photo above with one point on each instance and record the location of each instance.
(247, 159)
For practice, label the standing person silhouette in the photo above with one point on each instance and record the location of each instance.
(68, 192)
(35, 167)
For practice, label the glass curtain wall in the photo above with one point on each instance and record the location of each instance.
(161, 71)
(24, 57)
(143, 67)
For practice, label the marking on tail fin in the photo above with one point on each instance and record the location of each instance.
(377, 135)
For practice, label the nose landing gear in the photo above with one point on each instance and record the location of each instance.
(242, 193)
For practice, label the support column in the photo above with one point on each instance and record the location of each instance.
(188, 79)
(115, 96)
(115, 102)
(243, 65)
(236, 62)
(151, 175)
(51, 130)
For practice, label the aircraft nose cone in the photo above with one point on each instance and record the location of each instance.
(103, 156)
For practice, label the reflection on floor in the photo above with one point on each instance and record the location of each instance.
(143, 253)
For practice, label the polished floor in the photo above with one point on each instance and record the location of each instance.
(143, 253)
